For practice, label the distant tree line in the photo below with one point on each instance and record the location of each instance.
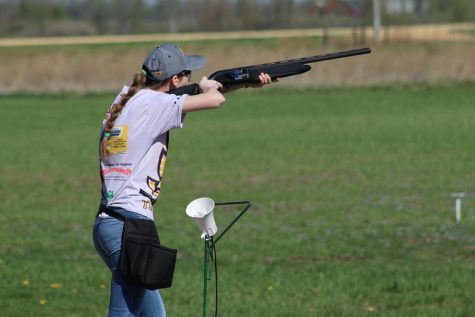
(97, 17)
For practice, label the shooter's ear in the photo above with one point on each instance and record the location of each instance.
(175, 80)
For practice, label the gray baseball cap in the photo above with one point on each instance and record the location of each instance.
(168, 60)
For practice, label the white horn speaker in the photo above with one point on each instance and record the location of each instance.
(201, 210)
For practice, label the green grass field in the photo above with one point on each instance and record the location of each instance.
(352, 214)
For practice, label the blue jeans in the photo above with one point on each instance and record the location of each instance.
(125, 299)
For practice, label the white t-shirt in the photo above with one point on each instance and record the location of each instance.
(131, 174)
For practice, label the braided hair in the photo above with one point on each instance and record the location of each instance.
(139, 82)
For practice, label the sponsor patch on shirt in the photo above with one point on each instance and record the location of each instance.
(120, 170)
(118, 143)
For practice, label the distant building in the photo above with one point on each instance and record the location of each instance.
(353, 8)
(406, 6)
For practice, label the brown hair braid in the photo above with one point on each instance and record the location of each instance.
(138, 83)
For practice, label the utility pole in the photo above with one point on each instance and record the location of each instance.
(376, 19)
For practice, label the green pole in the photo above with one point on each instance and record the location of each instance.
(206, 276)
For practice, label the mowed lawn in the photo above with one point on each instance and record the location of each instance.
(351, 216)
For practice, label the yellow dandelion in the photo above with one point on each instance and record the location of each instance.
(26, 282)
(43, 301)
(102, 286)
(371, 308)
(56, 285)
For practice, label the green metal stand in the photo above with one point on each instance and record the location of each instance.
(210, 244)
(207, 273)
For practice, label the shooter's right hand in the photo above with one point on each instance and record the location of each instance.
(206, 84)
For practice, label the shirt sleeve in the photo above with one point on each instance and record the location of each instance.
(123, 91)
(164, 113)
(117, 99)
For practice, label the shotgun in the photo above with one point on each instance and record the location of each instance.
(280, 69)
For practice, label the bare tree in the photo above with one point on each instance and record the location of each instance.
(99, 16)
(211, 14)
(136, 15)
(122, 17)
(282, 13)
(247, 13)
(167, 10)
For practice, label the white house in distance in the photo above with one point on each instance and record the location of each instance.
(355, 7)
(406, 6)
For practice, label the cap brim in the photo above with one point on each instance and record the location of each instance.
(194, 62)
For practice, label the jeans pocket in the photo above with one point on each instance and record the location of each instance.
(108, 235)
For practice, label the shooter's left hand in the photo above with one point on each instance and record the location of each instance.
(265, 79)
